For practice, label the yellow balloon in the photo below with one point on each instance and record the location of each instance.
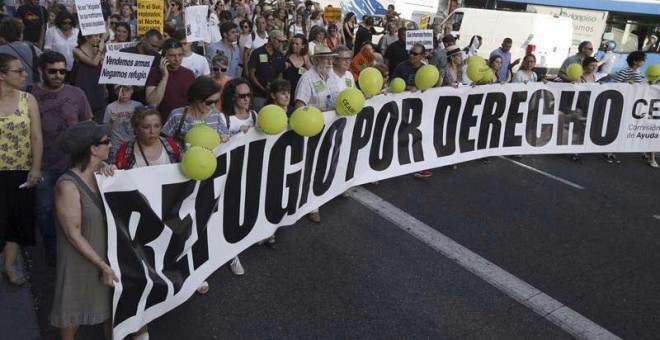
(475, 59)
(487, 76)
(307, 121)
(426, 77)
(574, 72)
(198, 163)
(397, 85)
(474, 71)
(272, 119)
(653, 73)
(202, 135)
(349, 102)
(371, 81)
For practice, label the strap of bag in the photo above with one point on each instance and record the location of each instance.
(180, 126)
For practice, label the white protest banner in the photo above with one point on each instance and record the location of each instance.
(587, 25)
(115, 47)
(196, 23)
(424, 37)
(167, 233)
(90, 17)
(125, 68)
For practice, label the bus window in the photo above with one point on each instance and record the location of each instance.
(455, 21)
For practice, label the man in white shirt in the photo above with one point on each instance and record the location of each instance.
(192, 61)
(340, 68)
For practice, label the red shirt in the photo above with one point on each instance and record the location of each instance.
(175, 91)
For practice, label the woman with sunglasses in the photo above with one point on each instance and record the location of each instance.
(84, 278)
(21, 150)
(220, 64)
(236, 111)
(174, 14)
(64, 38)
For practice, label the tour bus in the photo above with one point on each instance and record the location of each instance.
(548, 36)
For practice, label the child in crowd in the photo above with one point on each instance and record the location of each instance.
(118, 114)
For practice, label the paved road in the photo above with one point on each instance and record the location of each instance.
(590, 243)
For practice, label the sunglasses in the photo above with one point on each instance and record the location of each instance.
(102, 142)
(223, 69)
(61, 71)
(243, 95)
(210, 102)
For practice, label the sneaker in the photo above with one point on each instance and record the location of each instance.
(314, 217)
(203, 288)
(236, 266)
(653, 164)
(423, 174)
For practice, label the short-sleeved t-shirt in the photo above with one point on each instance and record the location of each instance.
(122, 131)
(267, 66)
(215, 120)
(405, 71)
(196, 63)
(574, 59)
(59, 110)
(314, 91)
(175, 91)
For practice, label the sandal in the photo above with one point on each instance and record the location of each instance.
(13, 277)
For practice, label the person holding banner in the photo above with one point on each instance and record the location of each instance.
(84, 279)
(21, 150)
(406, 70)
(452, 74)
(525, 73)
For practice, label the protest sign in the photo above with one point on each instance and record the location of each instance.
(196, 23)
(421, 18)
(167, 233)
(150, 15)
(115, 47)
(125, 68)
(332, 15)
(424, 37)
(365, 58)
(90, 17)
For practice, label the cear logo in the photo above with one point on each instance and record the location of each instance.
(646, 109)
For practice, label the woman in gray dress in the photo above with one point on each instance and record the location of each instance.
(84, 278)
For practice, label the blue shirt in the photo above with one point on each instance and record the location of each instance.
(406, 71)
(506, 61)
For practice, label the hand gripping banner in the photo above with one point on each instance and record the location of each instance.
(167, 233)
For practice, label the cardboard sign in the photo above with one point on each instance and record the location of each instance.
(332, 15)
(150, 16)
(196, 25)
(116, 47)
(424, 37)
(365, 58)
(125, 68)
(90, 17)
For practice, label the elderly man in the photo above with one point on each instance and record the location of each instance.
(319, 88)
(340, 68)
(585, 49)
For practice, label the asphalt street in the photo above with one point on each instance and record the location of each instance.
(590, 242)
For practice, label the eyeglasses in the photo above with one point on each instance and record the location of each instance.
(102, 142)
(344, 59)
(414, 54)
(61, 71)
(216, 69)
(243, 95)
(18, 70)
(210, 102)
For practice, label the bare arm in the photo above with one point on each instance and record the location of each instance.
(155, 94)
(36, 141)
(69, 215)
(91, 61)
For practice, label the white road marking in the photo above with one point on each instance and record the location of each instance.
(558, 179)
(657, 217)
(542, 304)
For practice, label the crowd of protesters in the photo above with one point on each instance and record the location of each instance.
(58, 125)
